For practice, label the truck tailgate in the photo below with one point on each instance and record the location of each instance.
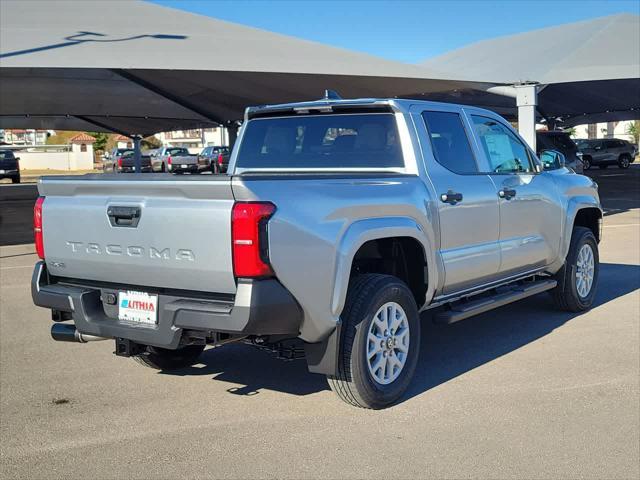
(151, 230)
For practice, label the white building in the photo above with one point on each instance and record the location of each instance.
(14, 136)
(195, 139)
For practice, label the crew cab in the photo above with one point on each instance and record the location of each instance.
(338, 223)
(175, 160)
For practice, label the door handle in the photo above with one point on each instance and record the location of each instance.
(507, 193)
(451, 197)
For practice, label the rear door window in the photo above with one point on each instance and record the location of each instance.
(321, 141)
(450, 143)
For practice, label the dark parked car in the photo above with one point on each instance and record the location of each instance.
(9, 166)
(215, 159)
(561, 142)
(605, 152)
(121, 160)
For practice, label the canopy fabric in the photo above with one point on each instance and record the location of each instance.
(589, 71)
(139, 68)
(600, 49)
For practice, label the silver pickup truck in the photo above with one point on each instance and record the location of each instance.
(175, 160)
(338, 222)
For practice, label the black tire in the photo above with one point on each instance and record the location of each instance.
(354, 383)
(163, 359)
(163, 168)
(15, 179)
(603, 166)
(624, 161)
(114, 169)
(586, 162)
(566, 295)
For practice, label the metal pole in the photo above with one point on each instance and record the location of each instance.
(527, 101)
(137, 157)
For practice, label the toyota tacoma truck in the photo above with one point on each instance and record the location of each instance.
(338, 223)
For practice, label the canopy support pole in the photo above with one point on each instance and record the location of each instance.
(527, 101)
(137, 156)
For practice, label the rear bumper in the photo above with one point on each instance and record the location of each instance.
(188, 168)
(132, 169)
(260, 307)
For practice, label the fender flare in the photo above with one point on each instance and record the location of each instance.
(362, 231)
(574, 205)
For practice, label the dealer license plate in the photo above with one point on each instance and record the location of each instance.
(1, 171)
(184, 166)
(138, 307)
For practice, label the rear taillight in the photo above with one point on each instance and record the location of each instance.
(120, 162)
(249, 238)
(37, 227)
(220, 159)
(169, 160)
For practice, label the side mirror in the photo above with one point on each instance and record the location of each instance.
(17, 159)
(552, 159)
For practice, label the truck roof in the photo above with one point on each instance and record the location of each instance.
(328, 104)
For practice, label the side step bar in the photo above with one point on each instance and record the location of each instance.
(513, 294)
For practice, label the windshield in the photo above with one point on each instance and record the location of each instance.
(176, 151)
(321, 141)
(6, 155)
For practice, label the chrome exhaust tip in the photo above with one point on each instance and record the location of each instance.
(62, 332)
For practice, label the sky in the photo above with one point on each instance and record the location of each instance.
(406, 31)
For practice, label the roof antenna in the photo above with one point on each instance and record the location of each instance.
(331, 95)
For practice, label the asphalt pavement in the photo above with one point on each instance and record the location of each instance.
(520, 392)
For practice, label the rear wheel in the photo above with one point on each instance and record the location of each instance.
(15, 179)
(163, 168)
(163, 359)
(624, 161)
(380, 342)
(586, 162)
(578, 278)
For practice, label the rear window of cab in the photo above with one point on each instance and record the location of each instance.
(368, 141)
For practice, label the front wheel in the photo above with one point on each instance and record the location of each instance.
(586, 162)
(578, 278)
(163, 359)
(379, 344)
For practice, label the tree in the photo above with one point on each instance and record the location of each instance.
(150, 142)
(101, 141)
(634, 130)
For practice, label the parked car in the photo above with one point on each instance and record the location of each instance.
(175, 160)
(332, 232)
(122, 160)
(215, 159)
(605, 152)
(9, 166)
(562, 142)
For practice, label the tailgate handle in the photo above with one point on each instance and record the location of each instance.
(123, 216)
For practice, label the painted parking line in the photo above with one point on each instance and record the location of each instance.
(623, 225)
(18, 266)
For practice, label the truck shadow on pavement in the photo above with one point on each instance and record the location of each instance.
(447, 351)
